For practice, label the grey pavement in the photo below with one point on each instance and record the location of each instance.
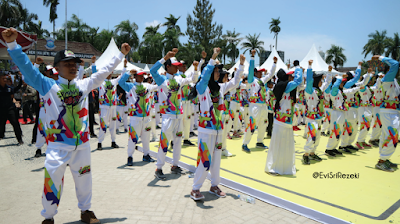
(121, 194)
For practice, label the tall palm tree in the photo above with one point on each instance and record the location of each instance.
(376, 44)
(171, 23)
(336, 56)
(252, 43)
(26, 18)
(171, 39)
(77, 29)
(393, 47)
(53, 12)
(10, 13)
(274, 27)
(37, 28)
(233, 40)
(126, 32)
(189, 52)
(103, 39)
(151, 30)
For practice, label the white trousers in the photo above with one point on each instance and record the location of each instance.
(41, 132)
(122, 116)
(313, 128)
(258, 118)
(139, 128)
(336, 129)
(327, 120)
(107, 120)
(281, 152)
(208, 159)
(296, 115)
(153, 122)
(54, 168)
(171, 130)
(158, 115)
(195, 116)
(187, 118)
(235, 107)
(364, 120)
(302, 117)
(389, 136)
(350, 127)
(227, 128)
(377, 124)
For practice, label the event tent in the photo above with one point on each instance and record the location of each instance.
(319, 65)
(270, 60)
(246, 68)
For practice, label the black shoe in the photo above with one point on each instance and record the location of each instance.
(330, 153)
(38, 153)
(93, 136)
(192, 134)
(94, 123)
(315, 157)
(99, 147)
(306, 160)
(130, 161)
(147, 158)
(125, 130)
(336, 152)
(188, 143)
(114, 145)
(351, 147)
(392, 165)
(323, 134)
(157, 127)
(345, 149)
(172, 145)
(261, 145)
(20, 143)
(176, 170)
(160, 175)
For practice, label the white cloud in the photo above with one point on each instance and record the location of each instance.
(153, 23)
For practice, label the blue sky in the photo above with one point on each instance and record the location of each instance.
(346, 23)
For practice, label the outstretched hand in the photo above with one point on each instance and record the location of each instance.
(242, 59)
(9, 35)
(133, 71)
(360, 63)
(253, 52)
(216, 51)
(375, 57)
(275, 60)
(39, 60)
(125, 62)
(125, 48)
(203, 55)
(93, 59)
(310, 62)
(330, 68)
(170, 54)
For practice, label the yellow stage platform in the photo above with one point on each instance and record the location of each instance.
(368, 196)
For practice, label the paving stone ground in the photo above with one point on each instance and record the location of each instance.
(121, 194)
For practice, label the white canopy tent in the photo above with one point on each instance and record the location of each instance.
(270, 60)
(246, 68)
(319, 65)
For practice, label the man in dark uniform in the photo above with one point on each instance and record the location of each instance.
(7, 110)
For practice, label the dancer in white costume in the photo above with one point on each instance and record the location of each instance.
(389, 114)
(281, 154)
(211, 97)
(122, 109)
(169, 90)
(365, 110)
(377, 100)
(314, 111)
(139, 111)
(258, 117)
(108, 110)
(67, 122)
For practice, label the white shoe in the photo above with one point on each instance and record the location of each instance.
(226, 153)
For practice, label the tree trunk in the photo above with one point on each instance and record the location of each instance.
(54, 29)
(276, 42)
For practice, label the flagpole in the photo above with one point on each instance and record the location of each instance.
(66, 33)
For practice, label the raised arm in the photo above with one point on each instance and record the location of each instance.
(298, 74)
(394, 68)
(232, 84)
(353, 90)
(206, 73)
(271, 74)
(309, 79)
(250, 78)
(122, 82)
(81, 71)
(336, 85)
(355, 79)
(193, 77)
(328, 80)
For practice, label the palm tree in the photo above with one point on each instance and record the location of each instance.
(53, 12)
(171, 23)
(126, 32)
(335, 55)
(189, 52)
(253, 43)
(274, 27)
(171, 39)
(233, 39)
(77, 29)
(103, 39)
(376, 44)
(26, 18)
(393, 47)
(151, 30)
(10, 13)
(37, 28)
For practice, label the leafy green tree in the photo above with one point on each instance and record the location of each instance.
(10, 13)
(172, 23)
(275, 28)
(201, 29)
(376, 44)
(252, 42)
(26, 18)
(233, 40)
(126, 33)
(103, 39)
(393, 47)
(53, 12)
(38, 30)
(335, 56)
(189, 53)
(151, 48)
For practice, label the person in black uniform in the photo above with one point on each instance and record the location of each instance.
(7, 110)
